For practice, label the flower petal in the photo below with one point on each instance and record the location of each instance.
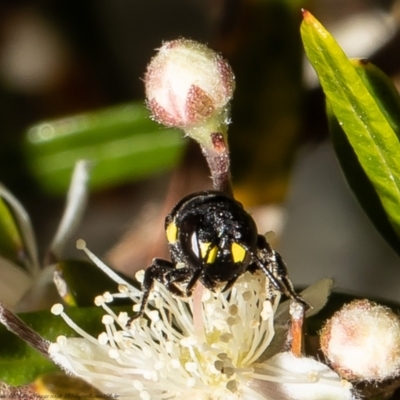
(285, 376)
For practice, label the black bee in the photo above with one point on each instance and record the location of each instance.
(214, 240)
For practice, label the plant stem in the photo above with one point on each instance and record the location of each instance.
(22, 330)
(218, 161)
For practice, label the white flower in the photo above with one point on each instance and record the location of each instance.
(181, 352)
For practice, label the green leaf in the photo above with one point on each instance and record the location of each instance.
(360, 184)
(382, 89)
(10, 239)
(20, 363)
(123, 143)
(367, 127)
(388, 99)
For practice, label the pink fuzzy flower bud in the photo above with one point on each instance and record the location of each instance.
(362, 341)
(188, 84)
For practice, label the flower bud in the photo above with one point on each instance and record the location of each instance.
(187, 85)
(362, 341)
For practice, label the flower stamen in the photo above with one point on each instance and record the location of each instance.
(163, 356)
(58, 309)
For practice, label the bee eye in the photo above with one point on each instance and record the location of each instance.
(238, 252)
(172, 232)
(210, 253)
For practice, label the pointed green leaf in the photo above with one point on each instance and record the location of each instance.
(123, 143)
(360, 184)
(388, 100)
(359, 114)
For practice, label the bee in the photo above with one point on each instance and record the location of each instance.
(213, 240)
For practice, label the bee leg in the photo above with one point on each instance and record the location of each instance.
(229, 284)
(175, 276)
(193, 280)
(271, 262)
(286, 283)
(156, 271)
(168, 275)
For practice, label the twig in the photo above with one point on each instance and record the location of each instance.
(15, 325)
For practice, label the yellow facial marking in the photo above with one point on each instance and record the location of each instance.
(238, 252)
(206, 251)
(172, 232)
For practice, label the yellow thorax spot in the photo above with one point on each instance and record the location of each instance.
(172, 232)
(238, 252)
(205, 251)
